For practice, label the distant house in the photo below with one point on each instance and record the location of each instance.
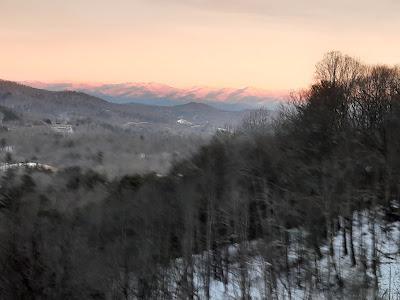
(184, 122)
(27, 165)
(63, 128)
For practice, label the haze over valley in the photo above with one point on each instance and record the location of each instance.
(151, 137)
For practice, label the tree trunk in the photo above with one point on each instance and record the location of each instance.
(352, 253)
(344, 237)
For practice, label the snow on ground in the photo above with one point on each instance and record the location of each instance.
(387, 241)
(257, 276)
(27, 165)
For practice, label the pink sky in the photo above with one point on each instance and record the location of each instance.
(237, 43)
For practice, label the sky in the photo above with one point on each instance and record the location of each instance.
(266, 44)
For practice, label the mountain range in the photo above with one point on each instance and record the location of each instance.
(71, 105)
(164, 95)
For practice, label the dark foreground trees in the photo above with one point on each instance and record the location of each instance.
(275, 209)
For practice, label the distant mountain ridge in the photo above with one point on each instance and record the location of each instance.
(72, 105)
(164, 95)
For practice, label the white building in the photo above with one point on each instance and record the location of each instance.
(64, 129)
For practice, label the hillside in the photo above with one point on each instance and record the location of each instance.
(72, 105)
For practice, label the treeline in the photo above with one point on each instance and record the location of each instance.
(279, 191)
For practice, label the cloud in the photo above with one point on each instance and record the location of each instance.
(295, 8)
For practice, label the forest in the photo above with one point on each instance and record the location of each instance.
(299, 204)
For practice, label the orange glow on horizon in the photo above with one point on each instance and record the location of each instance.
(192, 44)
